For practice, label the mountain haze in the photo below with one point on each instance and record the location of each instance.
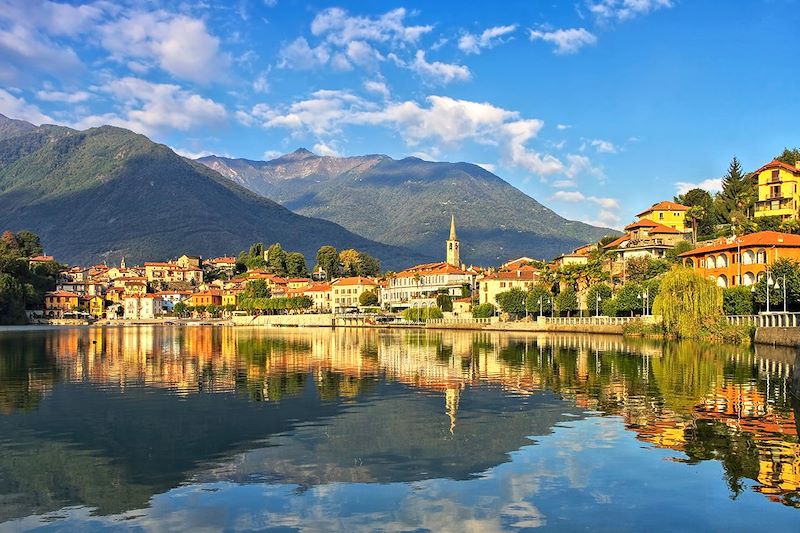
(107, 192)
(408, 203)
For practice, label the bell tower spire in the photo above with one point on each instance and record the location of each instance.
(453, 253)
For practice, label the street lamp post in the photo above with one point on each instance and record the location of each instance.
(784, 293)
(597, 306)
(541, 307)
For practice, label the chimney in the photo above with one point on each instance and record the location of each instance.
(797, 164)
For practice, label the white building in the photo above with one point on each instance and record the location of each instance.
(138, 307)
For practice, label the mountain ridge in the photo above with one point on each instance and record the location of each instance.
(408, 202)
(105, 192)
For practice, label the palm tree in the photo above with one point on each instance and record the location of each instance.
(695, 214)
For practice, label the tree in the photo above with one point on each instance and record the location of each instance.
(29, 244)
(539, 299)
(768, 223)
(695, 214)
(256, 288)
(789, 156)
(420, 314)
(781, 270)
(737, 194)
(368, 299)
(567, 301)
(737, 300)
(483, 311)
(296, 265)
(628, 300)
(673, 254)
(643, 268)
(328, 260)
(276, 259)
(601, 290)
(512, 301)
(367, 265)
(179, 308)
(688, 302)
(444, 302)
(349, 259)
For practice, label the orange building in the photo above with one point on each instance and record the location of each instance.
(209, 297)
(57, 303)
(733, 261)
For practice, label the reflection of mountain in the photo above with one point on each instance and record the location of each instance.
(141, 410)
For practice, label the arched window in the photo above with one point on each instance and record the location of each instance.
(748, 257)
(722, 281)
(722, 261)
(761, 256)
(748, 279)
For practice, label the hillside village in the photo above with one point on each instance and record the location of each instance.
(615, 276)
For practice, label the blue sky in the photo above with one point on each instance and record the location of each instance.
(597, 108)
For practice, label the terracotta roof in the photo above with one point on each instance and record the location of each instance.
(527, 275)
(664, 206)
(430, 268)
(657, 228)
(229, 260)
(779, 164)
(617, 242)
(465, 300)
(41, 258)
(355, 280)
(65, 294)
(766, 239)
(298, 280)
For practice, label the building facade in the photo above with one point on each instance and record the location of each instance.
(670, 214)
(346, 292)
(777, 190)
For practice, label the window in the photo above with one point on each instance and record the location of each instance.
(661, 216)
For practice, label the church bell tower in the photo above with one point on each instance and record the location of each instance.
(453, 254)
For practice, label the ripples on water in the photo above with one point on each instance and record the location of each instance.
(241, 429)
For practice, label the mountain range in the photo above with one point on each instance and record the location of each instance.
(106, 192)
(408, 203)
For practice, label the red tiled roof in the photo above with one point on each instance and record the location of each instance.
(780, 164)
(766, 239)
(41, 258)
(617, 242)
(65, 294)
(355, 280)
(647, 223)
(430, 268)
(664, 206)
(527, 275)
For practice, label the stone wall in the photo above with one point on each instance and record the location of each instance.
(778, 336)
(322, 320)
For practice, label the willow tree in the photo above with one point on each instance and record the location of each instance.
(686, 302)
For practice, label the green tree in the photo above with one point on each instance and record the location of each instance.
(790, 156)
(276, 259)
(628, 299)
(444, 302)
(781, 271)
(601, 291)
(349, 260)
(483, 311)
(179, 308)
(695, 215)
(29, 244)
(769, 223)
(737, 195)
(688, 303)
(673, 254)
(368, 299)
(421, 314)
(737, 301)
(512, 301)
(539, 299)
(567, 301)
(296, 265)
(256, 288)
(328, 260)
(367, 265)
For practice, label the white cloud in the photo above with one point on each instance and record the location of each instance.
(488, 166)
(59, 96)
(336, 26)
(441, 120)
(621, 10)
(603, 146)
(325, 150)
(563, 184)
(272, 154)
(437, 71)
(261, 83)
(710, 185)
(473, 44)
(189, 154)
(607, 214)
(378, 87)
(179, 44)
(14, 107)
(563, 127)
(301, 56)
(151, 108)
(362, 54)
(24, 49)
(52, 17)
(566, 41)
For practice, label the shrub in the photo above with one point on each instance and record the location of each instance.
(483, 311)
(420, 314)
(737, 301)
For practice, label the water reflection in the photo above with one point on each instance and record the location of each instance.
(108, 418)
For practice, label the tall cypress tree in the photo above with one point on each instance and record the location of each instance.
(736, 194)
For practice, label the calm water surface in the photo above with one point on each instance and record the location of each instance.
(159, 428)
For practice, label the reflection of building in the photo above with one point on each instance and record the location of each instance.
(732, 261)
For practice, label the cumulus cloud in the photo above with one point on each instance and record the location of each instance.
(602, 146)
(178, 44)
(60, 96)
(440, 120)
(567, 41)
(363, 54)
(151, 108)
(378, 87)
(26, 51)
(337, 26)
(621, 10)
(15, 107)
(301, 56)
(324, 149)
(438, 72)
(607, 214)
(471, 43)
(711, 185)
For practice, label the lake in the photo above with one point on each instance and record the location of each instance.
(220, 428)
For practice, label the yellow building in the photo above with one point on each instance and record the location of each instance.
(56, 303)
(97, 306)
(346, 291)
(777, 190)
(670, 214)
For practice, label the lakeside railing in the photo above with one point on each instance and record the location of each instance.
(767, 320)
(589, 320)
(460, 321)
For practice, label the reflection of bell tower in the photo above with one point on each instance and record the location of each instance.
(453, 255)
(451, 397)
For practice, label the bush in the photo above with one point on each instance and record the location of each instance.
(420, 314)
(512, 301)
(444, 302)
(737, 301)
(368, 298)
(483, 311)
